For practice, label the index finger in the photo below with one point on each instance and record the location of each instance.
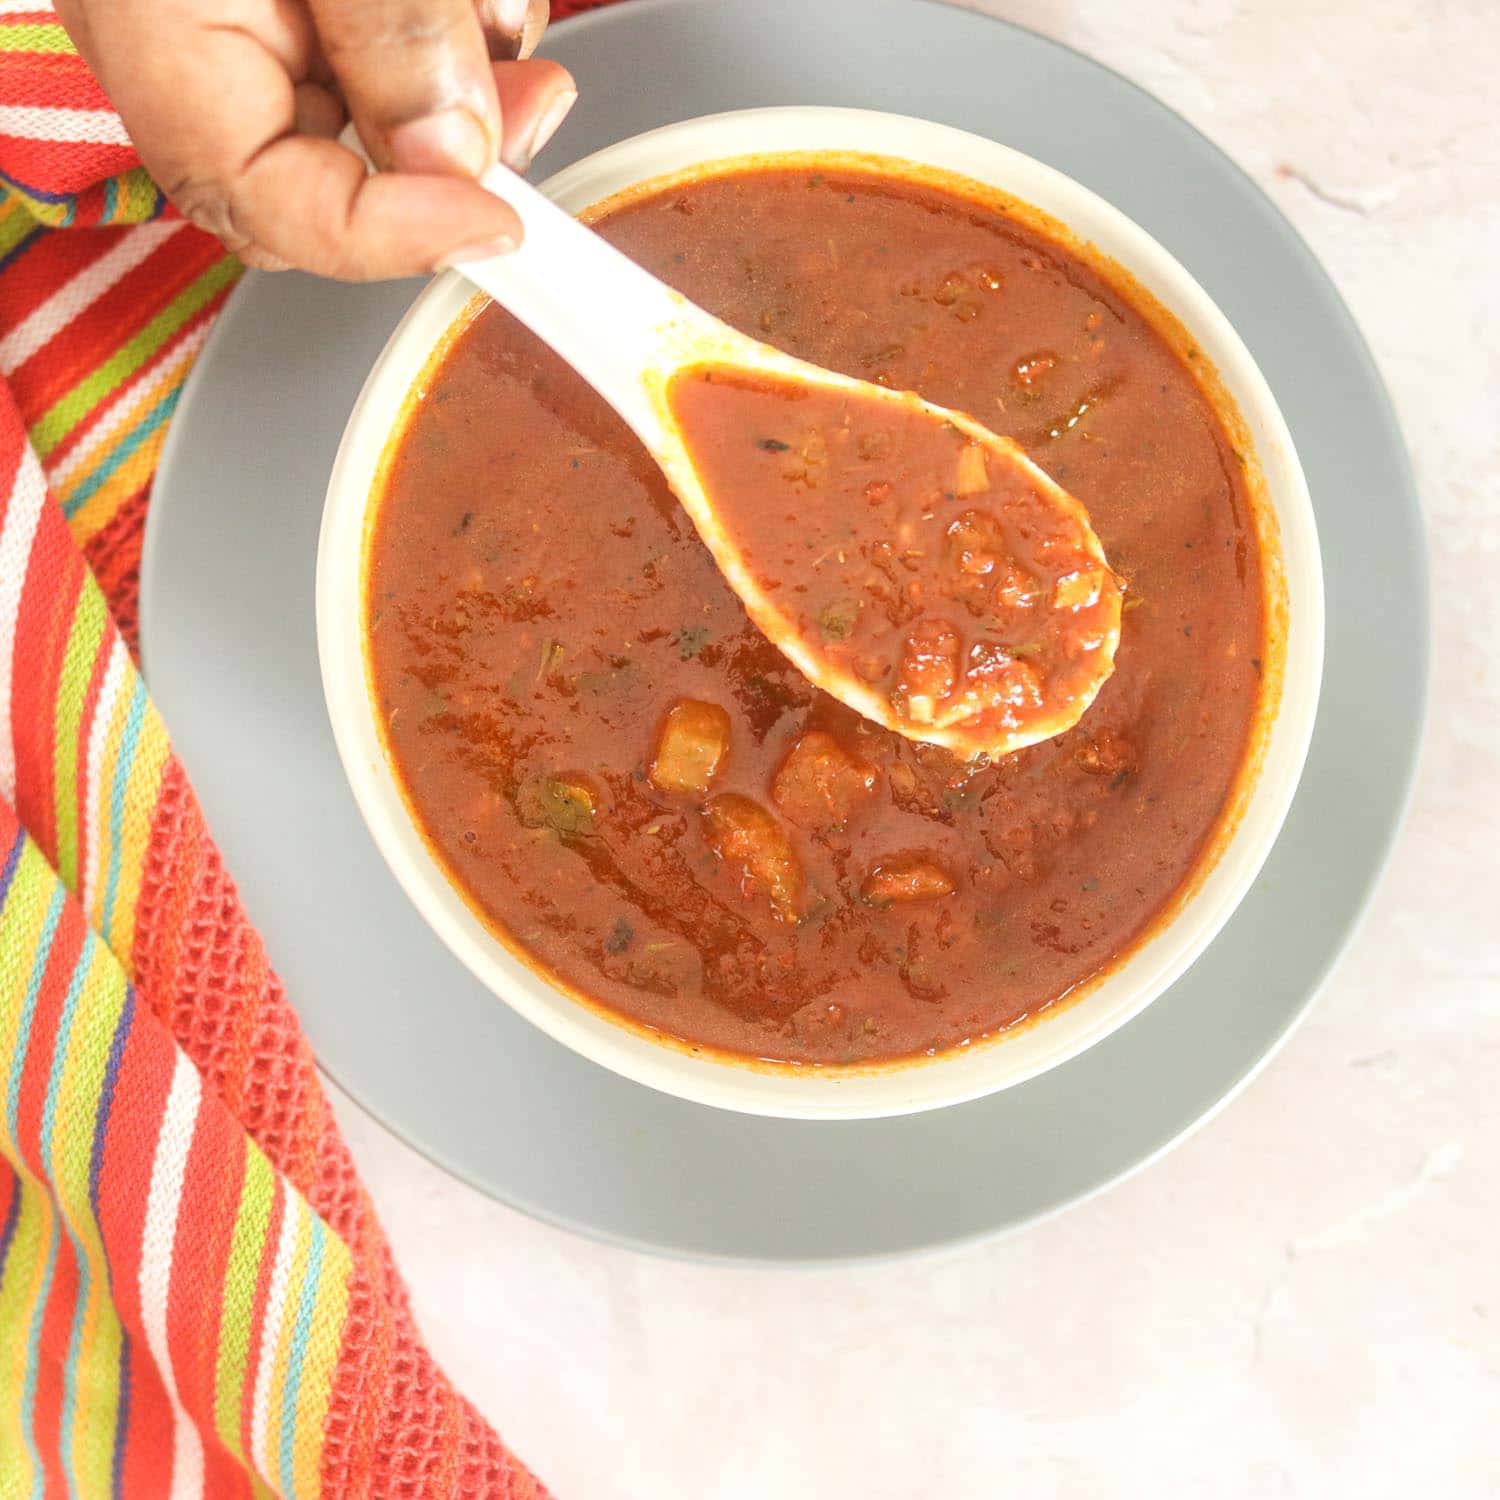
(416, 77)
(513, 27)
(243, 173)
(310, 201)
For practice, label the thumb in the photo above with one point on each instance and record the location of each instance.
(416, 78)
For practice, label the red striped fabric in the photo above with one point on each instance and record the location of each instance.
(195, 1294)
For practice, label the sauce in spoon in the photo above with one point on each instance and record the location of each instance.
(908, 560)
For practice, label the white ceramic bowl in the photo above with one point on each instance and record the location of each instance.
(808, 1092)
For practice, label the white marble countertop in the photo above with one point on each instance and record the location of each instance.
(1304, 1298)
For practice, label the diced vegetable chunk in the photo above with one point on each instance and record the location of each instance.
(744, 835)
(819, 783)
(928, 670)
(691, 747)
(810, 464)
(973, 476)
(905, 877)
(1005, 677)
(1077, 590)
(977, 543)
(1106, 754)
(1016, 588)
(567, 803)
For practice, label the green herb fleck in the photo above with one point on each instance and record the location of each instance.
(774, 445)
(621, 938)
(565, 804)
(691, 641)
(837, 620)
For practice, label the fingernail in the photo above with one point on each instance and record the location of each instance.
(520, 154)
(502, 244)
(451, 142)
(558, 111)
(510, 15)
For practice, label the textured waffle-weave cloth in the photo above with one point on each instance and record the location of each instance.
(195, 1295)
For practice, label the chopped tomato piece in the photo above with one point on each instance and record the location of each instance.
(1016, 588)
(928, 670)
(905, 877)
(1106, 754)
(691, 747)
(820, 784)
(1006, 681)
(743, 834)
(977, 543)
(1078, 590)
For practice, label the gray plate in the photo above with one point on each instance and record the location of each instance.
(227, 622)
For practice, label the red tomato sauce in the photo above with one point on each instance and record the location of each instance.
(934, 571)
(630, 783)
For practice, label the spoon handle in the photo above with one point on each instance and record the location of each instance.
(600, 311)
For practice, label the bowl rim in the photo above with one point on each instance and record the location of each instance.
(699, 1074)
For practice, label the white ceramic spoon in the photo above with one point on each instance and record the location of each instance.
(631, 337)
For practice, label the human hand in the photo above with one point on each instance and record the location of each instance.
(235, 106)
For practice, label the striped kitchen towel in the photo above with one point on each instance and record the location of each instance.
(195, 1295)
